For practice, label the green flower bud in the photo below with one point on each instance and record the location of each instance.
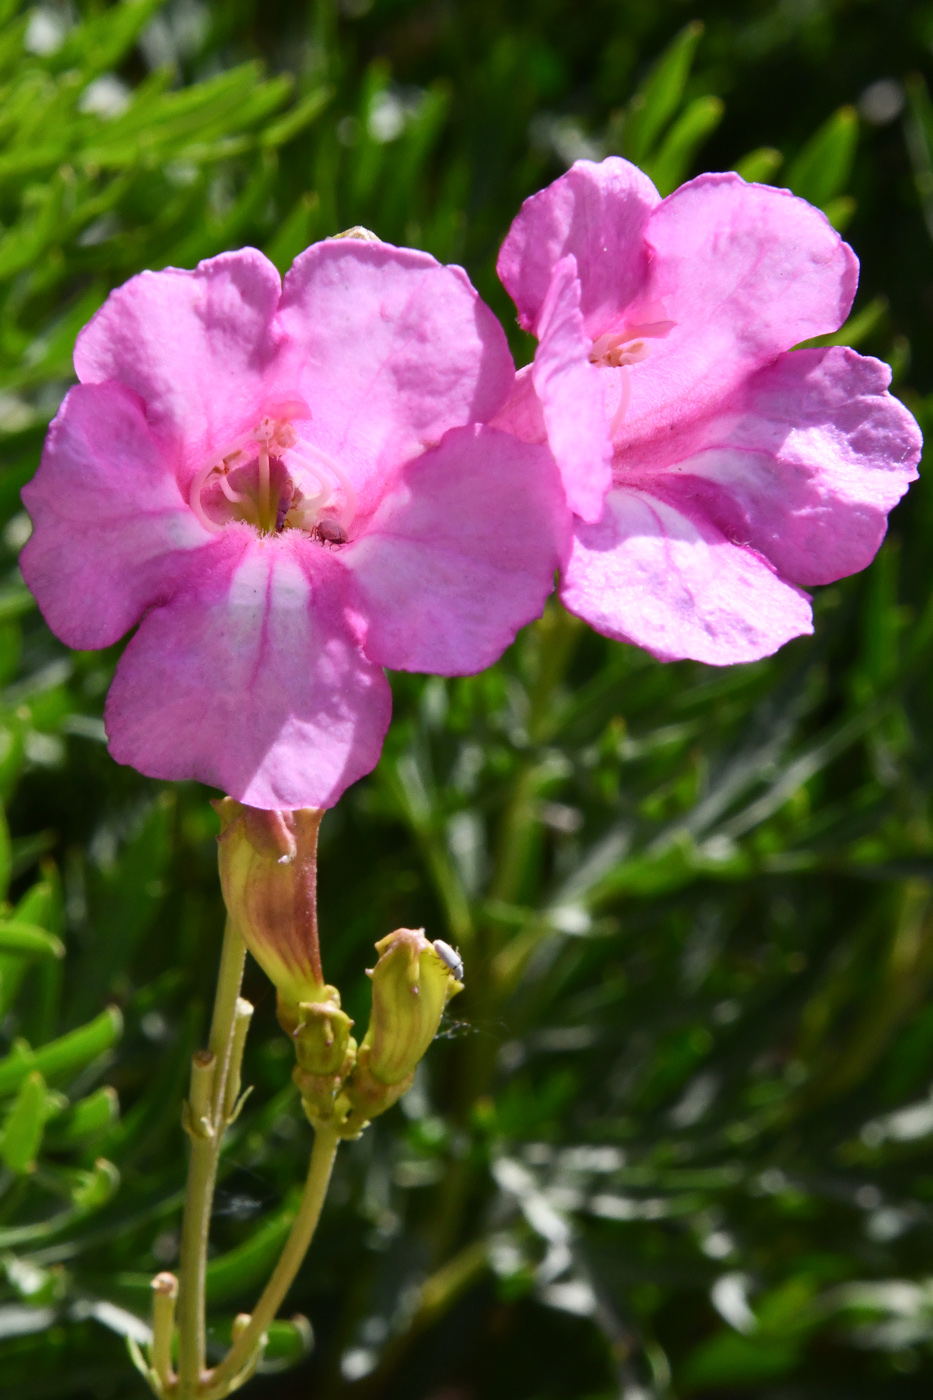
(412, 983)
(324, 1048)
(268, 874)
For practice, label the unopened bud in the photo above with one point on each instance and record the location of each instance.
(324, 1049)
(268, 874)
(412, 983)
(365, 235)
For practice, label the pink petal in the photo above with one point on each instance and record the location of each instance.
(807, 465)
(571, 393)
(461, 555)
(112, 532)
(252, 681)
(391, 349)
(521, 414)
(199, 348)
(745, 272)
(599, 214)
(648, 574)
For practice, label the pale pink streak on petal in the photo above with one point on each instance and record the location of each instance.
(805, 466)
(113, 534)
(200, 348)
(390, 350)
(596, 212)
(252, 680)
(650, 575)
(745, 272)
(461, 555)
(571, 391)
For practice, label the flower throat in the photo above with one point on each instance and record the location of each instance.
(274, 480)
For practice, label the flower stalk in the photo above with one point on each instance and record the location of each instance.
(205, 1117)
(268, 870)
(164, 1299)
(248, 1343)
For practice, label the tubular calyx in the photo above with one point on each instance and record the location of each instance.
(268, 874)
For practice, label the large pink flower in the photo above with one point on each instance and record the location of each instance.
(711, 471)
(288, 488)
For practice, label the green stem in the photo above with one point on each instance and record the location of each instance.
(240, 1354)
(229, 981)
(206, 1137)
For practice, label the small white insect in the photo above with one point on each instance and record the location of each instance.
(449, 957)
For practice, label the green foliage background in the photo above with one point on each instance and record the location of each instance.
(676, 1139)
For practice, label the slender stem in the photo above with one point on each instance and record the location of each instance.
(296, 1247)
(202, 1169)
(229, 981)
(164, 1296)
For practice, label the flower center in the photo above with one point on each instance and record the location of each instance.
(274, 480)
(618, 350)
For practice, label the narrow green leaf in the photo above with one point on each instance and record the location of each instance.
(822, 169)
(759, 165)
(301, 115)
(22, 1131)
(42, 902)
(918, 131)
(295, 232)
(290, 1341)
(658, 99)
(19, 937)
(856, 330)
(412, 153)
(14, 602)
(229, 1274)
(672, 162)
(101, 42)
(94, 1189)
(64, 1056)
(6, 855)
(85, 1119)
(839, 212)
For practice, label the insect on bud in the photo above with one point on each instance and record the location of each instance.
(412, 983)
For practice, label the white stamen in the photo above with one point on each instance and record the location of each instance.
(194, 500)
(349, 494)
(228, 490)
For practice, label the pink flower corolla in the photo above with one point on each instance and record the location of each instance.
(711, 468)
(287, 487)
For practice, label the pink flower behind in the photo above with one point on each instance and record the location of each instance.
(711, 468)
(287, 488)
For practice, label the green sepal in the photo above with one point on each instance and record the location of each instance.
(324, 1048)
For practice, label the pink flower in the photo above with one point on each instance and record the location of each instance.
(711, 472)
(287, 488)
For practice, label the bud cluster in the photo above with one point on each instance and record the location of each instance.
(268, 871)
